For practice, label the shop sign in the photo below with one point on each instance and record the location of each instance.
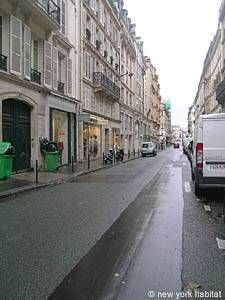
(84, 118)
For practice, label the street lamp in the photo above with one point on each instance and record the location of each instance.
(127, 73)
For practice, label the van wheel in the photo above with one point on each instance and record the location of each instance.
(198, 191)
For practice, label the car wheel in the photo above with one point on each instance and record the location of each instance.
(142, 155)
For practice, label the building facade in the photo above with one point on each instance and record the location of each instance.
(165, 125)
(100, 73)
(38, 83)
(74, 72)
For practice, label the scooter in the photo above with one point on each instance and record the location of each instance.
(109, 157)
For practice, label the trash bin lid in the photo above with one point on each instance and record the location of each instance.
(4, 146)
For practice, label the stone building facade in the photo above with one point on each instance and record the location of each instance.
(38, 84)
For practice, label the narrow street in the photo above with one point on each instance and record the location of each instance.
(119, 233)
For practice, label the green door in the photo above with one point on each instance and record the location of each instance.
(16, 129)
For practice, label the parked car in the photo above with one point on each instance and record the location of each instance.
(208, 162)
(148, 148)
(176, 145)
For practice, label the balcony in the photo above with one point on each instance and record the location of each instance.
(106, 86)
(60, 87)
(35, 76)
(44, 12)
(3, 62)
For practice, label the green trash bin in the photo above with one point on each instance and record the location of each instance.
(51, 160)
(6, 160)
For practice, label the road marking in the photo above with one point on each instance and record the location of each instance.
(207, 208)
(220, 243)
(187, 187)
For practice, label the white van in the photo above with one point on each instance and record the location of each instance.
(208, 160)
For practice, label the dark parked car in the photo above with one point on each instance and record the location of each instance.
(176, 145)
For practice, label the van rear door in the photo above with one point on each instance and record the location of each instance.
(214, 147)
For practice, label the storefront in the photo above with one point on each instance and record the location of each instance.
(116, 138)
(63, 132)
(92, 137)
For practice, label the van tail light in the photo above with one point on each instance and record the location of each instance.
(199, 155)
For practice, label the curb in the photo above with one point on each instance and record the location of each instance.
(16, 191)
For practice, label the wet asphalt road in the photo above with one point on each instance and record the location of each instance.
(115, 234)
(44, 234)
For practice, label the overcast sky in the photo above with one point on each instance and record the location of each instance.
(176, 35)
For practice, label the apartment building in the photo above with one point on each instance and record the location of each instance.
(100, 73)
(38, 81)
(165, 125)
(155, 104)
(128, 87)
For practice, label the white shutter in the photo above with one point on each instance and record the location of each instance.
(93, 33)
(27, 52)
(15, 45)
(84, 22)
(101, 12)
(55, 68)
(69, 75)
(48, 64)
(63, 18)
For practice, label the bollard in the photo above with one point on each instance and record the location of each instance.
(128, 154)
(36, 171)
(88, 161)
(134, 152)
(72, 164)
(103, 158)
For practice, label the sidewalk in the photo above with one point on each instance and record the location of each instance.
(26, 181)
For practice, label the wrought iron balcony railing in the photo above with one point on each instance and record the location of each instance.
(109, 86)
(35, 76)
(50, 8)
(60, 87)
(3, 62)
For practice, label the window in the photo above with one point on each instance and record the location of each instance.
(35, 55)
(88, 66)
(62, 6)
(61, 67)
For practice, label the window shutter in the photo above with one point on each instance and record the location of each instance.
(69, 75)
(15, 45)
(55, 68)
(48, 64)
(27, 52)
(63, 18)
(93, 33)
(84, 22)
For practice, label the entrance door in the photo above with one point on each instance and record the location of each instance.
(16, 130)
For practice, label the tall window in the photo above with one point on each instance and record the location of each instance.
(0, 34)
(35, 55)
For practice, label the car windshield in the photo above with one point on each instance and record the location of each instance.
(147, 145)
